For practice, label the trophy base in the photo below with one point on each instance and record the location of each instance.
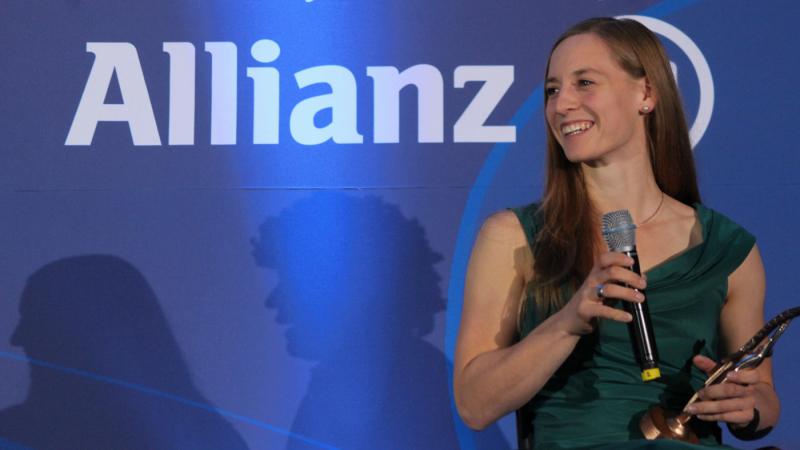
(658, 423)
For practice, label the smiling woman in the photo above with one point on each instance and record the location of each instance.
(592, 103)
(542, 325)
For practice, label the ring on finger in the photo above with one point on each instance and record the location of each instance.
(599, 290)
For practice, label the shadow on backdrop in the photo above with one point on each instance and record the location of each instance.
(357, 293)
(98, 314)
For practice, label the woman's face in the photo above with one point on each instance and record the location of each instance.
(592, 104)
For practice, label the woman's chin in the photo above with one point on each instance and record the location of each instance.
(577, 156)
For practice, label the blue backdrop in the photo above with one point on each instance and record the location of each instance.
(227, 226)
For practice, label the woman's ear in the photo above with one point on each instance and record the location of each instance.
(648, 99)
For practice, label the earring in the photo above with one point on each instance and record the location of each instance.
(645, 109)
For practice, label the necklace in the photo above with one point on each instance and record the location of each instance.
(654, 212)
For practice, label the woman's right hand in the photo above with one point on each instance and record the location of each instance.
(580, 314)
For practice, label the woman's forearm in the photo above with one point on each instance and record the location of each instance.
(500, 381)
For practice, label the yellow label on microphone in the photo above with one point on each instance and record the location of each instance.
(651, 374)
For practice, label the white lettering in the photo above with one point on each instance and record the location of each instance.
(341, 101)
(110, 58)
(470, 126)
(181, 92)
(121, 59)
(266, 92)
(430, 102)
(223, 92)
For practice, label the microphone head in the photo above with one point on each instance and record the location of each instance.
(619, 231)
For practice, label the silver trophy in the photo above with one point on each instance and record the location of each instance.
(659, 423)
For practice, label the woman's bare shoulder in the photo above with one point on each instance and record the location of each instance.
(503, 226)
(503, 230)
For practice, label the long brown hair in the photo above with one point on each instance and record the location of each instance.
(566, 245)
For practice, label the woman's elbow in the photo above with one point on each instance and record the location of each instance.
(473, 417)
(473, 421)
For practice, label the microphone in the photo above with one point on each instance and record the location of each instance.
(619, 232)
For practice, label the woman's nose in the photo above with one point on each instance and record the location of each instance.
(566, 100)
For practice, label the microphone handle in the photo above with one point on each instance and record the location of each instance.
(641, 329)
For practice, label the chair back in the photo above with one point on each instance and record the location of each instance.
(524, 429)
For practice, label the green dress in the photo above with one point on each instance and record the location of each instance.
(596, 398)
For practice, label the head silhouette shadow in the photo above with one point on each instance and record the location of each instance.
(357, 292)
(101, 352)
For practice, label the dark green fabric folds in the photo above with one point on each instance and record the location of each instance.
(597, 397)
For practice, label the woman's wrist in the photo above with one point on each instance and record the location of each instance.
(562, 324)
(749, 431)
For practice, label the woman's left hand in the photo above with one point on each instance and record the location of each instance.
(732, 401)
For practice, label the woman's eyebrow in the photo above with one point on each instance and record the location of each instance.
(586, 70)
(576, 73)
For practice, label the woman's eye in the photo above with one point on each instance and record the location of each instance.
(585, 83)
(550, 91)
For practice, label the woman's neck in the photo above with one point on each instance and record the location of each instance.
(628, 184)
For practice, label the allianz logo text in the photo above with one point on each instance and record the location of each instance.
(135, 108)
